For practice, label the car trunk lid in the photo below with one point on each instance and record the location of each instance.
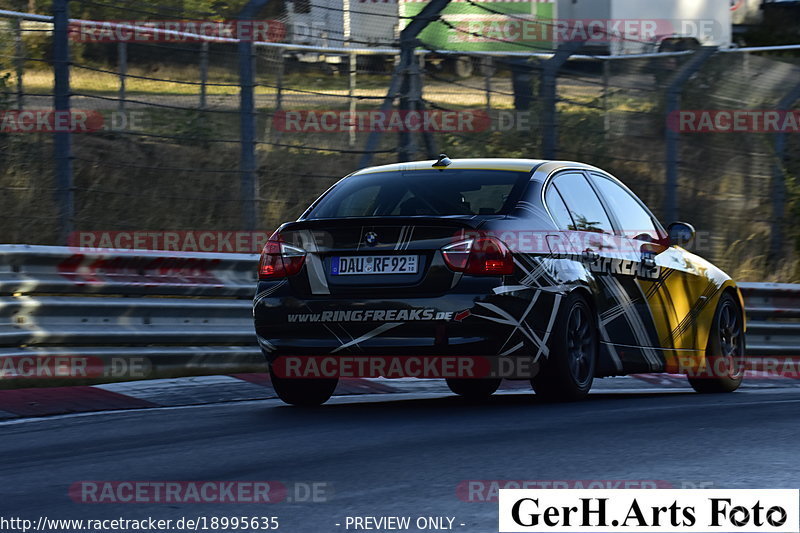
(377, 255)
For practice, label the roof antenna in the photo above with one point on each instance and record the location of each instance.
(443, 162)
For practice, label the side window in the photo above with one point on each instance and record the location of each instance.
(558, 209)
(635, 220)
(587, 212)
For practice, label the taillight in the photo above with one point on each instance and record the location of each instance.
(279, 260)
(457, 255)
(482, 256)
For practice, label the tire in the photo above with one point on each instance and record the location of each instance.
(725, 363)
(303, 392)
(474, 389)
(568, 373)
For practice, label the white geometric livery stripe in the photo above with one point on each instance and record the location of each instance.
(544, 350)
(375, 332)
(263, 294)
(405, 238)
(541, 275)
(513, 349)
(505, 289)
(633, 319)
(604, 336)
(316, 270)
(401, 237)
(519, 324)
(266, 345)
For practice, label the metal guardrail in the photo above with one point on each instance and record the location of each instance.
(773, 319)
(176, 314)
(181, 314)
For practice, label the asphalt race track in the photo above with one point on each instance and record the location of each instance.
(400, 455)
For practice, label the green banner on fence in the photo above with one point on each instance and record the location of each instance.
(497, 26)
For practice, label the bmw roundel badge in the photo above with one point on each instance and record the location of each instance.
(371, 238)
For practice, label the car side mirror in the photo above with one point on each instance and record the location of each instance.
(681, 234)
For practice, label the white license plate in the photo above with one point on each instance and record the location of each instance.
(374, 264)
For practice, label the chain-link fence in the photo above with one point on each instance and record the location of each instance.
(713, 158)
(239, 124)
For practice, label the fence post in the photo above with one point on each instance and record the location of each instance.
(247, 119)
(274, 134)
(374, 135)
(674, 92)
(203, 74)
(606, 90)
(19, 62)
(247, 125)
(279, 80)
(62, 139)
(411, 100)
(779, 180)
(549, 97)
(406, 146)
(487, 66)
(418, 104)
(351, 92)
(402, 74)
(122, 60)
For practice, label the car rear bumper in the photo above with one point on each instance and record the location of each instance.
(492, 322)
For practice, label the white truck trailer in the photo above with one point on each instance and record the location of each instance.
(613, 27)
(644, 26)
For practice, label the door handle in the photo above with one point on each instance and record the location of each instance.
(590, 255)
(649, 262)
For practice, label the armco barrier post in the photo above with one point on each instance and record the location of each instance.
(779, 180)
(247, 120)
(65, 193)
(674, 92)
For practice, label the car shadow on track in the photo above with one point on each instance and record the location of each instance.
(391, 405)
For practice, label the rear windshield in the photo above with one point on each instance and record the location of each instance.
(424, 193)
